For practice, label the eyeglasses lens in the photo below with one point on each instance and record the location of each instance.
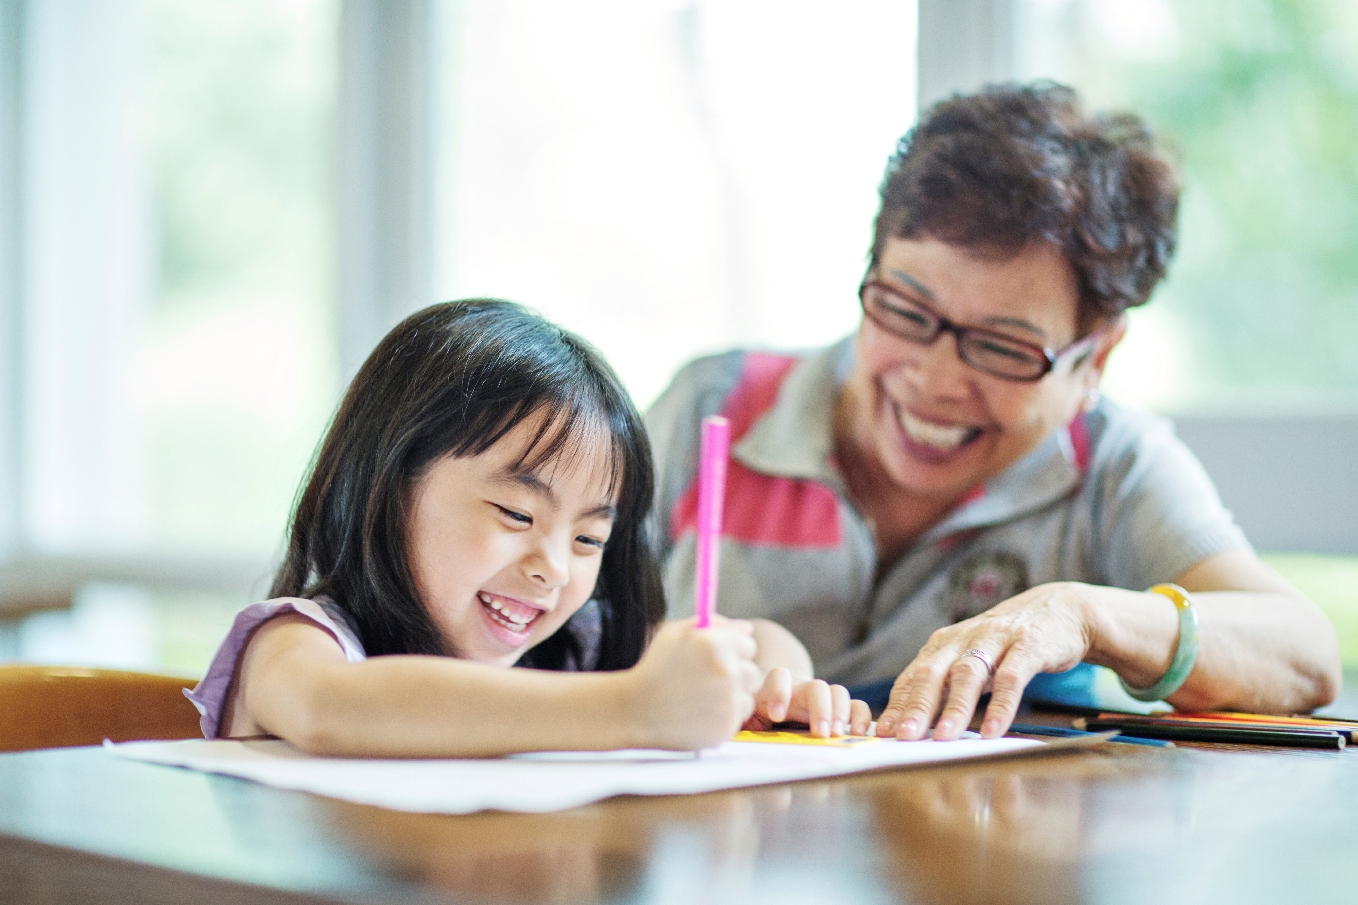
(988, 352)
(1003, 359)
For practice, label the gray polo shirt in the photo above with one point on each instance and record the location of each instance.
(1114, 498)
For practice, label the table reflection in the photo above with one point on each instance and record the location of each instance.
(1088, 826)
(596, 853)
(1016, 832)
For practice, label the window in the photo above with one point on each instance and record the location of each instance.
(175, 272)
(174, 354)
(699, 173)
(1260, 309)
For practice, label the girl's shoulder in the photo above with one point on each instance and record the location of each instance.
(210, 695)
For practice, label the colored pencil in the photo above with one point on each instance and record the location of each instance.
(1336, 724)
(1061, 732)
(1203, 732)
(1238, 720)
(716, 443)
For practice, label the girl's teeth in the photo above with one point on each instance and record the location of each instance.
(515, 621)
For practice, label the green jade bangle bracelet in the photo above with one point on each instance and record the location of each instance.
(1185, 652)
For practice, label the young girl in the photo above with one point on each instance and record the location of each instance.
(480, 502)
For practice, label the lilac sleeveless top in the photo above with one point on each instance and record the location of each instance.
(209, 696)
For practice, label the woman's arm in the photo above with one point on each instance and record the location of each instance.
(1264, 648)
(693, 688)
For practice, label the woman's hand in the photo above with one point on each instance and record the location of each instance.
(1045, 629)
(694, 687)
(826, 709)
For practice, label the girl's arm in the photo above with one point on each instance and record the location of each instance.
(692, 689)
(791, 692)
(779, 647)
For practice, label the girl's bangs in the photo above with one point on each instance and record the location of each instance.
(571, 434)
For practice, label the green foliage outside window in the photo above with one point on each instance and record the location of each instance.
(1260, 99)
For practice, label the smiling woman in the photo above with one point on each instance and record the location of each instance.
(944, 499)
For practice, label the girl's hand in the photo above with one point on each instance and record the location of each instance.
(826, 709)
(1045, 629)
(695, 686)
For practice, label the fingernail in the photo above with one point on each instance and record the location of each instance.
(908, 729)
(990, 729)
(839, 727)
(943, 728)
(823, 727)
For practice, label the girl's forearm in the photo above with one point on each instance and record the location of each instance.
(438, 707)
(693, 688)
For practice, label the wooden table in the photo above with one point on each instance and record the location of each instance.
(1119, 823)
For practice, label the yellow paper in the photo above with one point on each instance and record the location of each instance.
(782, 737)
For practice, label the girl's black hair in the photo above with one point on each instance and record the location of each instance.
(453, 379)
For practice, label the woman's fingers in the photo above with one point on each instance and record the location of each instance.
(1006, 692)
(967, 679)
(1042, 629)
(915, 697)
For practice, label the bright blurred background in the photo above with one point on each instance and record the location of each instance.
(210, 211)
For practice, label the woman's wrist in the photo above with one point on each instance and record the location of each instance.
(1185, 648)
(1133, 633)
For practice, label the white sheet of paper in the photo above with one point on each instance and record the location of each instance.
(546, 782)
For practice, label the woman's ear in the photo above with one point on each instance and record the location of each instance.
(1109, 337)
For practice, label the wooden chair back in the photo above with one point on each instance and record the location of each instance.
(58, 707)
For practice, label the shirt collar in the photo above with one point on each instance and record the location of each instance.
(795, 437)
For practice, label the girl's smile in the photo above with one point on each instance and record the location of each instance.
(503, 554)
(510, 620)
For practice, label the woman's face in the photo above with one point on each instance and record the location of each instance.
(928, 423)
(503, 557)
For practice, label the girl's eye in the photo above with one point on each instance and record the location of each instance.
(595, 542)
(514, 516)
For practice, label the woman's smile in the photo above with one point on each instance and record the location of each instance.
(932, 440)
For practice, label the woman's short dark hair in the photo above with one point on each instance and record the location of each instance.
(453, 379)
(1015, 164)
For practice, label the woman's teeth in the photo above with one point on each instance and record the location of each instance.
(938, 436)
(505, 615)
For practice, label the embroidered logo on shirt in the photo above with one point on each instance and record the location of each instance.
(984, 579)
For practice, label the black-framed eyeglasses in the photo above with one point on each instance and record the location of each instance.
(985, 350)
